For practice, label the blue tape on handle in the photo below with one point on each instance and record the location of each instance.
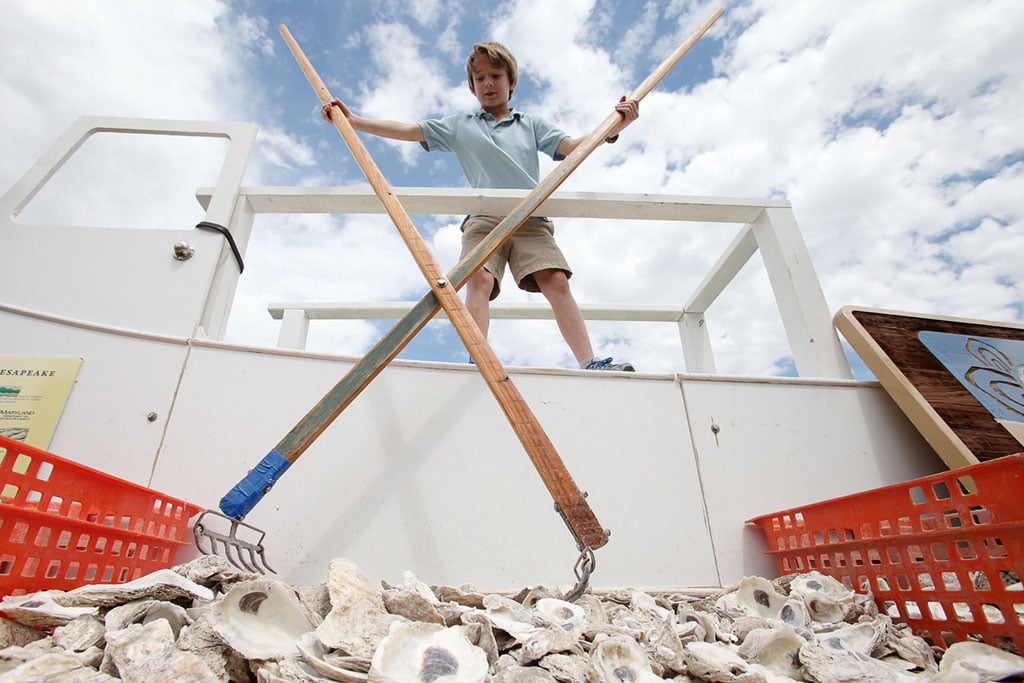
(243, 497)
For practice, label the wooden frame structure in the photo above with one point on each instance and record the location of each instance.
(944, 394)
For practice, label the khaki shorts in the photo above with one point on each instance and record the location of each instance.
(530, 248)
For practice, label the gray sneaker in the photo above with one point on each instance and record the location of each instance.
(606, 364)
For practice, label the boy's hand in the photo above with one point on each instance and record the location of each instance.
(630, 110)
(325, 111)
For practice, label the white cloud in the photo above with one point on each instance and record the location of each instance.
(407, 84)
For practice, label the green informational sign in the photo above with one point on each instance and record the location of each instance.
(33, 391)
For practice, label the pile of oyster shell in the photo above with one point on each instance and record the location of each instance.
(205, 621)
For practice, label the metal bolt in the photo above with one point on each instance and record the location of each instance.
(183, 251)
(151, 417)
(442, 283)
(715, 428)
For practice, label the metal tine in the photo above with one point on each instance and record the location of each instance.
(245, 555)
(263, 559)
(234, 555)
(199, 544)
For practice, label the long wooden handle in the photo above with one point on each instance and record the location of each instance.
(247, 493)
(560, 484)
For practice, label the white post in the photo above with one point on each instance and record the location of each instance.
(294, 329)
(697, 353)
(693, 326)
(214, 319)
(228, 209)
(805, 315)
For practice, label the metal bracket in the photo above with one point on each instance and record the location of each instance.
(565, 518)
(207, 225)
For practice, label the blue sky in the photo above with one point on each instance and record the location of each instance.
(892, 127)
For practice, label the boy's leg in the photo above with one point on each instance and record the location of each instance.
(554, 285)
(485, 283)
(539, 266)
(478, 298)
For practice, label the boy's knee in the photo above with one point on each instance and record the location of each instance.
(481, 278)
(481, 283)
(551, 281)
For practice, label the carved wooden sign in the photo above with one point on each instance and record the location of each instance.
(960, 381)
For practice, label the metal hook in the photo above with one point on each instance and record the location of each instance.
(584, 567)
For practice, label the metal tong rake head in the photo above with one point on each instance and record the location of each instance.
(245, 555)
(585, 565)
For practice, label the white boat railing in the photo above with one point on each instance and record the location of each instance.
(195, 299)
(768, 226)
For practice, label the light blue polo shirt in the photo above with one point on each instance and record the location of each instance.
(496, 154)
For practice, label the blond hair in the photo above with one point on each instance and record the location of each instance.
(498, 54)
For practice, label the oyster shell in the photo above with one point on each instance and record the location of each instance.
(479, 632)
(12, 633)
(696, 625)
(777, 649)
(413, 600)
(214, 571)
(202, 640)
(49, 666)
(424, 653)
(344, 669)
(145, 611)
(911, 649)
(823, 609)
(509, 616)
(260, 619)
(665, 648)
(619, 659)
(794, 612)
(815, 581)
(534, 630)
(564, 615)
(465, 595)
(826, 664)
(719, 662)
(862, 638)
(358, 620)
(984, 661)
(522, 674)
(566, 668)
(754, 596)
(827, 600)
(163, 584)
(41, 609)
(146, 652)
(80, 634)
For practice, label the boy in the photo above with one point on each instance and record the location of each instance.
(497, 148)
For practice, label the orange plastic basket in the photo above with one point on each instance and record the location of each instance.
(63, 525)
(943, 553)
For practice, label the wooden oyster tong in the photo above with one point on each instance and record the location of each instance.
(569, 501)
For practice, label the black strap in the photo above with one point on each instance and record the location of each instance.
(207, 225)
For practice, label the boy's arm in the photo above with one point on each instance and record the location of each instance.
(630, 111)
(395, 130)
